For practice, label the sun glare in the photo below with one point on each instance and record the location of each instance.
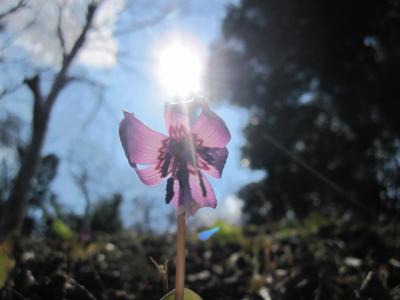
(180, 70)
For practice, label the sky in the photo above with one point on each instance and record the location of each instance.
(84, 125)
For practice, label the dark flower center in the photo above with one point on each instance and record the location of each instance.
(182, 149)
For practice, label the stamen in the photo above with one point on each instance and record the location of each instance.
(183, 178)
(164, 169)
(202, 186)
(169, 190)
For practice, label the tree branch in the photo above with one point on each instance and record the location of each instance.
(60, 79)
(60, 33)
(98, 88)
(9, 90)
(146, 23)
(88, 81)
(13, 9)
(34, 85)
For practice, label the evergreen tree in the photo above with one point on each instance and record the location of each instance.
(321, 81)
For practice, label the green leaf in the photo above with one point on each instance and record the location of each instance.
(6, 260)
(187, 295)
(62, 230)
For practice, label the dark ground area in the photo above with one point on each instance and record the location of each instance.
(310, 261)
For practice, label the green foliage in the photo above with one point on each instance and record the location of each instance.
(62, 230)
(6, 260)
(188, 295)
(228, 232)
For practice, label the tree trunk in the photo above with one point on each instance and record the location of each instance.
(15, 208)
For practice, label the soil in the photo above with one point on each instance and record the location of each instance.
(346, 261)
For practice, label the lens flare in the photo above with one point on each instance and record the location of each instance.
(180, 70)
(206, 234)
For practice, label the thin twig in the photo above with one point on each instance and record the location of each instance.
(13, 9)
(60, 33)
(8, 91)
(163, 270)
(162, 15)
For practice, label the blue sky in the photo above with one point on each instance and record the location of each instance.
(85, 134)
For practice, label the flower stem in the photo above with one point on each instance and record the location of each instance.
(180, 257)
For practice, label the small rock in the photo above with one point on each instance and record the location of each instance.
(264, 293)
(353, 262)
(203, 275)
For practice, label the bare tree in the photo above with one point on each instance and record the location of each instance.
(43, 103)
(18, 5)
(17, 203)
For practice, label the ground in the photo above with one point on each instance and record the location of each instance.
(314, 260)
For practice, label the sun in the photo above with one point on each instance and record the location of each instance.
(180, 70)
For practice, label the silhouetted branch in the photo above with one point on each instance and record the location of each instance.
(20, 4)
(10, 90)
(33, 84)
(7, 41)
(60, 33)
(18, 201)
(166, 11)
(60, 79)
(88, 81)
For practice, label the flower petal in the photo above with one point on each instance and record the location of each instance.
(150, 176)
(141, 144)
(176, 193)
(202, 193)
(177, 119)
(210, 130)
(212, 160)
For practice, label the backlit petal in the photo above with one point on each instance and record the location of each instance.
(177, 119)
(150, 175)
(141, 144)
(211, 129)
(212, 160)
(202, 193)
(177, 192)
(199, 194)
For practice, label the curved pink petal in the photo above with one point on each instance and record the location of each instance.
(176, 193)
(210, 130)
(176, 119)
(151, 175)
(141, 144)
(200, 194)
(182, 198)
(202, 191)
(212, 160)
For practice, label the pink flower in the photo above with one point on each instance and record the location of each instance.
(183, 157)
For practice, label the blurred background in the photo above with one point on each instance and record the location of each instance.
(115, 69)
(309, 90)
